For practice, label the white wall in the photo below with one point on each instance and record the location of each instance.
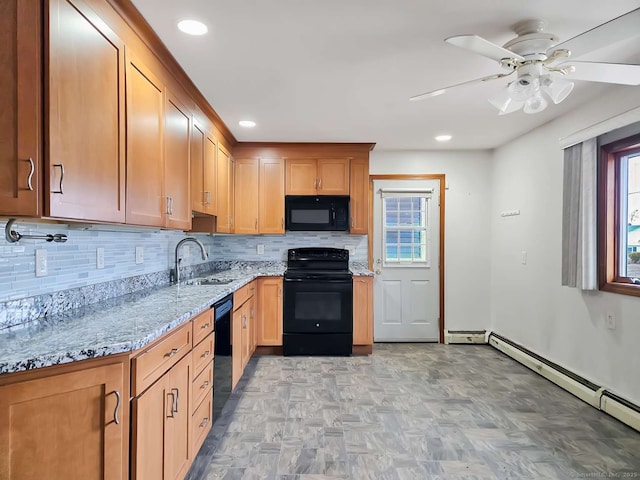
(467, 232)
(528, 305)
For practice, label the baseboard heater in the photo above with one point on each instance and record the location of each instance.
(465, 336)
(593, 394)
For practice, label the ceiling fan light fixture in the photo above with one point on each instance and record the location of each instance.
(523, 88)
(535, 104)
(504, 103)
(556, 88)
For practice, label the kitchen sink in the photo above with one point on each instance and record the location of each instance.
(209, 281)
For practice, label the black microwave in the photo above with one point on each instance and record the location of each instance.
(310, 213)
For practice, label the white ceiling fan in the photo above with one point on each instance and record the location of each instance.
(545, 67)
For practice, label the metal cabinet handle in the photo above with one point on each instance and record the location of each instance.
(117, 409)
(32, 169)
(204, 422)
(352, 223)
(167, 212)
(204, 385)
(251, 316)
(205, 354)
(177, 397)
(170, 205)
(279, 291)
(207, 198)
(172, 352)
(61, 189)
(320, 183)
(244, 321)
(256, 225)
(282, 223)
(173, 399)
(206, 325)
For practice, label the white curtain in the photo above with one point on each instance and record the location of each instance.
(579, 216)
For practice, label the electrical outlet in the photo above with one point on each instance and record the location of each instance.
(139, 254)
(610, 320)
(42, 269)
(524, 257)
(100, 257)
(260, 249)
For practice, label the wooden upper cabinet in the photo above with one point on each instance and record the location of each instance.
(209, 173)
(68, 425)
(271, 195)
(145, 164)
(362, 310)
(359, 191)
(198, 194)
(333, 176)
(246, 198)
(269, 319)
(177, 131)
(85, 171)
(301, 176)
(224, 182)
(20, 108)
(324, 176)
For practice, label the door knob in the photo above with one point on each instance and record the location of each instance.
(378, 272)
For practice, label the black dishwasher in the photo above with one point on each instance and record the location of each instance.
(222, 354)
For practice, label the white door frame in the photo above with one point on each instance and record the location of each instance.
(441, 179)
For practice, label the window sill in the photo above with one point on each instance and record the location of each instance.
(622, 288)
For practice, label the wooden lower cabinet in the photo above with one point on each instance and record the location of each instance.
(67, 425)
(362, 310)
(161, 419)
(242, 326)
(269, 317)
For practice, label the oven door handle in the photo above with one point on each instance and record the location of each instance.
(321, 279)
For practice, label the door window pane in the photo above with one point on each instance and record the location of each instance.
(630, 211)
(406, 229)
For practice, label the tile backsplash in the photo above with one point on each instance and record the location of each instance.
(74, 264)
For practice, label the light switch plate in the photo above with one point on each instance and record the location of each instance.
(139, 255)
(100, 257)
(42, 268)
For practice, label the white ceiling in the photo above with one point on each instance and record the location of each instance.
(343, 70)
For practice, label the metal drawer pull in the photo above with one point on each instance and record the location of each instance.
(170, 205)
(320, 184)
(256, 226)
(205, 354)
(177, 397)
(172, 352)
(173, 399)
(204, 422)
(204, 385)
(32, 169)
(117, 409)
(207, 198)
(61, 190)
(206, 325)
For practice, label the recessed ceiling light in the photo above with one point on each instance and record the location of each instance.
(247, 123)
(193, 27)
(443, 138)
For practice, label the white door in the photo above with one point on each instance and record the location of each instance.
(406, 236)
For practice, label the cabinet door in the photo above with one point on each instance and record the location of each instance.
(146, 204)
(271, 196)
(236, 347)
(64, 426)
(177, 131)
(177, 442)
(210, 181)
(359, 191)
(20, 107)
(362, 310)
(333, 176)
(246, 197)
(300, 178)
(269, 320)
(86, 95)
(253, 330)
(223, 221)
(197, 160)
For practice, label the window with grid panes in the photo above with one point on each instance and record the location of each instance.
(405, 229)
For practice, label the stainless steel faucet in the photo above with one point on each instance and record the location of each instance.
(176, 271)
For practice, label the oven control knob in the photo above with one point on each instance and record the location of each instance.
(318, 325)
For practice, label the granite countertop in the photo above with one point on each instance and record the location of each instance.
(125, 323)
(118, 325)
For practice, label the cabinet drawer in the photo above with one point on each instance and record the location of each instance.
(202, 326)
(149, 365)
(201, 423)
(202, 385)
(203, 354)
(243, 294)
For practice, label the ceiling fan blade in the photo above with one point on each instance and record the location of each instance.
(440, 91)
(621, 28)
(620, 73)
(483, 47)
